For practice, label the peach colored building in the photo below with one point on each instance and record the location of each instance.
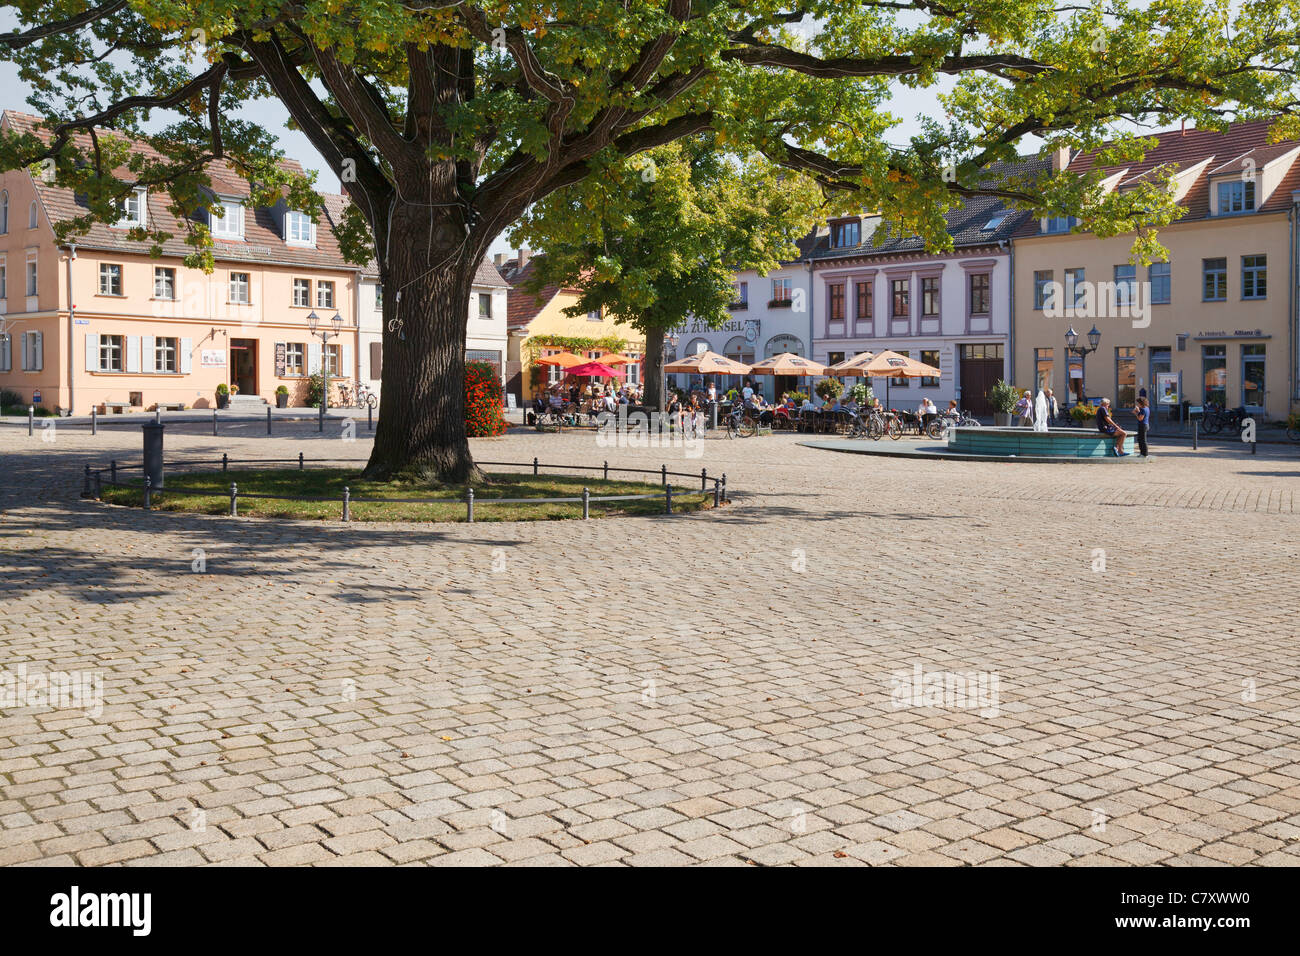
(1220, 314)
(98, 322)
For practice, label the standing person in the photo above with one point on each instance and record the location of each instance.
(1025, 409)
(1106, 425)
(1143, 413)
(713, 392)
(1053, 410)
(747, 392)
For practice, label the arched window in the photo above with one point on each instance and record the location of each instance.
(4, 212)
(31, 215)
(778, 344)
(694, 347)
(739, 350)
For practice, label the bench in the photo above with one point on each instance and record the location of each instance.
(117, 407)
(170, 406)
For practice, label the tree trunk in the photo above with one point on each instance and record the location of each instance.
(654, 368)
(421, 427)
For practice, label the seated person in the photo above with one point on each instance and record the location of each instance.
(555, 400)
(1106, 425)
(808, 405)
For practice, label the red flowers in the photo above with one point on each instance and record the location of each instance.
(483, 397)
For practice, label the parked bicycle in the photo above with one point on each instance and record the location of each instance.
(356, 395)
(741, 422)
(938, 429)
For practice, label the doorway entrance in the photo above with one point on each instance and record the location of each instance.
(981, 367)
(243, 365)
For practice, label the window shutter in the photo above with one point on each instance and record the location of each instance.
(5, 354)
(313, 359)
(26, 350)
(132, 353)
(346, 367)
(38, 351)
(376, 360)
(187, 346)
(148, 354)
(92, 352)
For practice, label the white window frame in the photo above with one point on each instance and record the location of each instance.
(293, 222)
(305, 285)
(322, 287)
(4, 282)
(231, 225)
(33, 216)
(4, 213)
(333, 359)
(33, 275)
(482, 298)
(633, 368)
(247, 287)
(31, 343)
(785, 283)
(107, 350)
(294, 369)
(159, 272)
(137, 217)
(106, 274)
(162, 345)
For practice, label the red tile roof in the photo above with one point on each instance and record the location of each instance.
(523, 306)
(262, 240)
(1183, 149)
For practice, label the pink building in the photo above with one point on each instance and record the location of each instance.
(97, 321)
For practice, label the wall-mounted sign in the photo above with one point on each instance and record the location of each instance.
(280, 363)
(81, 321)
(751, 330)
(212, 357)
(1169, 388)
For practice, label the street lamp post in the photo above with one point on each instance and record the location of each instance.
(313, 320)
(669, 348)
(1072, 346)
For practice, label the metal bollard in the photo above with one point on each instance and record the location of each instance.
(157, 416)
(347, 510)
(586, 504)
(225, 462)
(148, 485)
(717, 493)
(534, 464)
(668, 499)
(31, 419)
(724, 486)
(234, 500)
(1196, 428)
(94, 420)
(663, 474)
(214, 421)
(268, 419)
(704, 478)
(607, 471)
(370, 418)
(300, 461)
(469, 504)
(85, 491)
(112, 471)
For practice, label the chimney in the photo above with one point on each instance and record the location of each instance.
(1060, 158)
(499, 259)
(524, 255)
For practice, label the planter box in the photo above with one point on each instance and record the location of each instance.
(1001, 419)
(223, 401)
(281, 400)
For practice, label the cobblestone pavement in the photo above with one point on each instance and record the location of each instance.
(732, 688)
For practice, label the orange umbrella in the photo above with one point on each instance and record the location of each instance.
(893, 365)
(787, 363)
(562, 359)
(708, 363)
(852, 367)
(614, 358)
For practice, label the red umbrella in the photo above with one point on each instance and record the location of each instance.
(592, 369)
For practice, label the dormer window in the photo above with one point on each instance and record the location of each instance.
(132, 208)
(299, 230)
(846, 234)
(997, 220)
(1055, 224)
(231, 224)
(1238, 196)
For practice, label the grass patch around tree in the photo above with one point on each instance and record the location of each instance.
(213, 496)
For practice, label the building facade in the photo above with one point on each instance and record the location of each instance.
(99, 321)
(771, 314)
(537, 326)
(875, 292)
(1213, 323)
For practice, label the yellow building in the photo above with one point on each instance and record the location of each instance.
(537, 326)
(1217, 319)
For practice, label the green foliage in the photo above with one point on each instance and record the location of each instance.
(799, 397)
(1003, 397)
(572, 343)
(9, 397)
(862, 393)
(282, 390)
(223, 388)
(1083, 414)
(829, 389)
(315, 389)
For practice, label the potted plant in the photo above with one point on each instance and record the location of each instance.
(862, 393)
(1003, 397)
(223, 395)
(829, 389)
(282, 396)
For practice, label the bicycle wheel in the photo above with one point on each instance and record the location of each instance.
(1292, 433)
(748, 428)
(895, 429)
(372, 401)
(937, 430)
(875, 429)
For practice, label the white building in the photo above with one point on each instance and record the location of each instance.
(771, 314)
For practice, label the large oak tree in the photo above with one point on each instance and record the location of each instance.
(445, 120)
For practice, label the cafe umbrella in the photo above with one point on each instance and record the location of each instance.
(890, 365)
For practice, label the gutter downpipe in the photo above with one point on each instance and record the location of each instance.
(1009, 246)
(1292, 357)
(72, 325)
(812, 308)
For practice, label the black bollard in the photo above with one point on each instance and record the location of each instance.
(153, 453)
